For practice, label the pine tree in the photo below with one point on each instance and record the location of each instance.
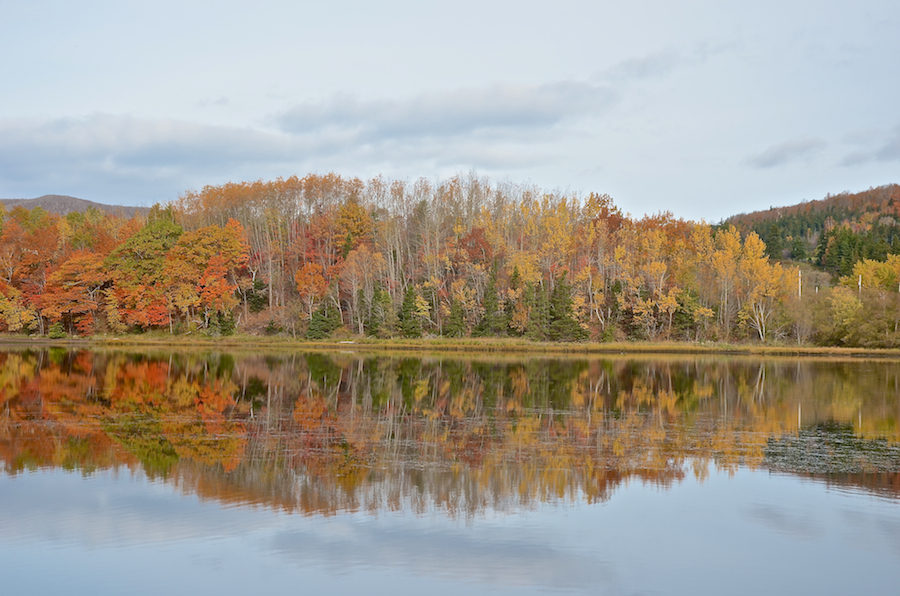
(456, 322)
(410, 326)
(774, 244)
(491, 323)
(798, 249)
(324, 322)
(386, 313)
(377, 310)
(562, 324)
(539, 312)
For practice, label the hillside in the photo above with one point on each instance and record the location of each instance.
(867, 222)
(64, 205)
(811, 216)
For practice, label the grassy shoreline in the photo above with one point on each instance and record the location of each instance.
(463, 345)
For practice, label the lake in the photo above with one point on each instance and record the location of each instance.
(180, 472)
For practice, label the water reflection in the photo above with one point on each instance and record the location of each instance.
(320, 433)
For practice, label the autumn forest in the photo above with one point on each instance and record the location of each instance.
(325, 256)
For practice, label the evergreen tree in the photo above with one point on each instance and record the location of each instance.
(492, 323)
(410, 326)
(377, 311)
(562, 324)
(324, 322)
(798, 249)
(257, 296)
(222, 324)
(539, 312)
(509, 308)
(774, 244)
(386, 313)
(456, 322)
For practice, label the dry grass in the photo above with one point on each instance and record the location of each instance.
(447, 345)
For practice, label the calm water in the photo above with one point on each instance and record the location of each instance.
(191, 472)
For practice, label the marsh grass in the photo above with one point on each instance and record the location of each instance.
(160, 339)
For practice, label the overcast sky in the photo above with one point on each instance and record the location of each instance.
(702, 108)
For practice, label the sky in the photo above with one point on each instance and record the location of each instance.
(701, 108)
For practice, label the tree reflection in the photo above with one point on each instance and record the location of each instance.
(319, 432)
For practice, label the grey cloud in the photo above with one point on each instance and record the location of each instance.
(793, 150)
(103, 510)
(124, 159)
(780, 519)
(659, 64)
(890, 150)
(646, 67)
(111, 156)
(876, 148)
(856, 158)
(450, 114)
(124, 140)
(498, 556)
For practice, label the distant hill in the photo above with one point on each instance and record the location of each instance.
(834, 232)
(810, 217)
(64, 205)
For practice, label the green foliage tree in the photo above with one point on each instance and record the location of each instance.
(410, 323)
(138, 269)
(562, 324)
(383, 321)
(774, 242)
(455, 325)
(493, 322)
(799, 251)
(325, 321)
(538, 301)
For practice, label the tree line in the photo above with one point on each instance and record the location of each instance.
(324, 256)
(834, 232)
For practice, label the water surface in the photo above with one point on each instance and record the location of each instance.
(195, 471)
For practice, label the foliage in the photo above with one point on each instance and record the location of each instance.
(410, 320)
(324, 322)
(460, 257)
(57, 331)
(562, 324)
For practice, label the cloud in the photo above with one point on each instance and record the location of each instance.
(652, 66)
(785, 521)
(129, 141)
(801, 148)
(104, 510)
(122, 155)
(876, 147)
(504, 559)
(125, 159)
(499, 109)
(658, 65)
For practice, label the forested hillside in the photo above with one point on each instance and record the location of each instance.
(326, 256)
(64, 204)
(835, 232)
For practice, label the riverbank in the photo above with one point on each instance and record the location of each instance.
(450, 345)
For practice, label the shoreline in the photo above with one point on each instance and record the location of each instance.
(456, 346)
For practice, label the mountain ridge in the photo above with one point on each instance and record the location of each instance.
(65, 204)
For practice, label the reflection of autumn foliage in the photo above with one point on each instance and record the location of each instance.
(319, 433)
(311, 413)
(462, 436)
(100, 402)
